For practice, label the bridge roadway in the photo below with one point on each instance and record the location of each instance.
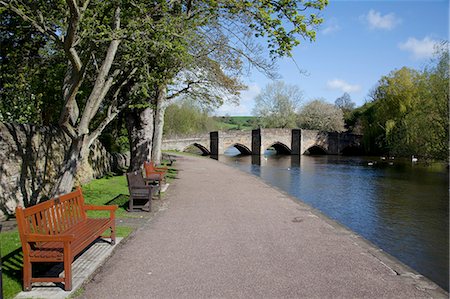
(255, 142)
(226, 234)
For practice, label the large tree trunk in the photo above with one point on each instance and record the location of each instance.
(161, 105)
(140, 134)
(79, 149)
(81, 139)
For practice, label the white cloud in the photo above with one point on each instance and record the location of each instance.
(419, 48)
(246, 103)
(343, 86)
(378, 21)
(331, 27)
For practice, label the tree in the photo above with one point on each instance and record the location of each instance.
(277, 104)
(220, 42)
(322, 116)
(30, 74)
(345, 103)
(433, 124)
(408, 114)
(412, 107)
(117, 51)
(185, 118)
(88, 35)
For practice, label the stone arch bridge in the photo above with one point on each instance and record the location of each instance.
(284, 141)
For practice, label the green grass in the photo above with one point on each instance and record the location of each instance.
(105, 191)
(11, 253)
(12, 260)
(235, 122)
(111, 190)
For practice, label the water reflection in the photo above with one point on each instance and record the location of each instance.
(402, 208)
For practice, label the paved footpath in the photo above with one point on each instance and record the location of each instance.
(226, 234)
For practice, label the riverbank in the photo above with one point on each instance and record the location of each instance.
(228, 234)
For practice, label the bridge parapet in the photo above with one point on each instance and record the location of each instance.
(181, 142)
(286, 141)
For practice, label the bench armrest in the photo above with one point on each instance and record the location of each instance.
(157, 171)
(161, 168)
(112, 209)
(49, 238)
(144, 187)
(159, 178)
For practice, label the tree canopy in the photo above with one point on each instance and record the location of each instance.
(408, 114)
(277, 104)
(322, 116)
(104, 56)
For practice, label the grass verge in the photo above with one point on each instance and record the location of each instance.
(105, 191)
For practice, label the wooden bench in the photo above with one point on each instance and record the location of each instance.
(156, 175)
(57, 230)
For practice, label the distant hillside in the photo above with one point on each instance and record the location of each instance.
(244, 123)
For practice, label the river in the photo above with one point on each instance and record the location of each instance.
(400, 206)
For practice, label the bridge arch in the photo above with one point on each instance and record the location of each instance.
(205, 151)
(281, 148)
(316, 150)
(244, 150)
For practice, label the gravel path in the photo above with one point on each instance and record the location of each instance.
(226, 234)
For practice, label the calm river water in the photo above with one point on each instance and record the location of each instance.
(401, 207)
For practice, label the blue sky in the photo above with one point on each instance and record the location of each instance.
(358, 43)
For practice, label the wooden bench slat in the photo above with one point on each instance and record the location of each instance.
(57, 230)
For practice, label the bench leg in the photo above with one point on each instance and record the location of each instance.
(113, 234)
(26, 274)
(67, 268)
(130, 204)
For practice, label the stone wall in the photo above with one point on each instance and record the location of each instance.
(30, 158)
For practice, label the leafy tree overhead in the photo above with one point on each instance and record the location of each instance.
(30, 74)
(322, 116)
(277, 104)
(87, 35)
(117, 52)
(220, 43)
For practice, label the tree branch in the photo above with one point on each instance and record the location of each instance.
(102, 83)
(41, 28)
(71, 35)
(184, 90)
(113, 109)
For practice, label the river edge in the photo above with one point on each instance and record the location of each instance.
(398, 268)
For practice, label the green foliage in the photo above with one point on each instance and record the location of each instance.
(159, 39)
(409, 113)
(322, 116)
(269, 19)
(243, 123)
(115, 137)
(31, 74)
(346, 104)
(277, 104)
(186, 118)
